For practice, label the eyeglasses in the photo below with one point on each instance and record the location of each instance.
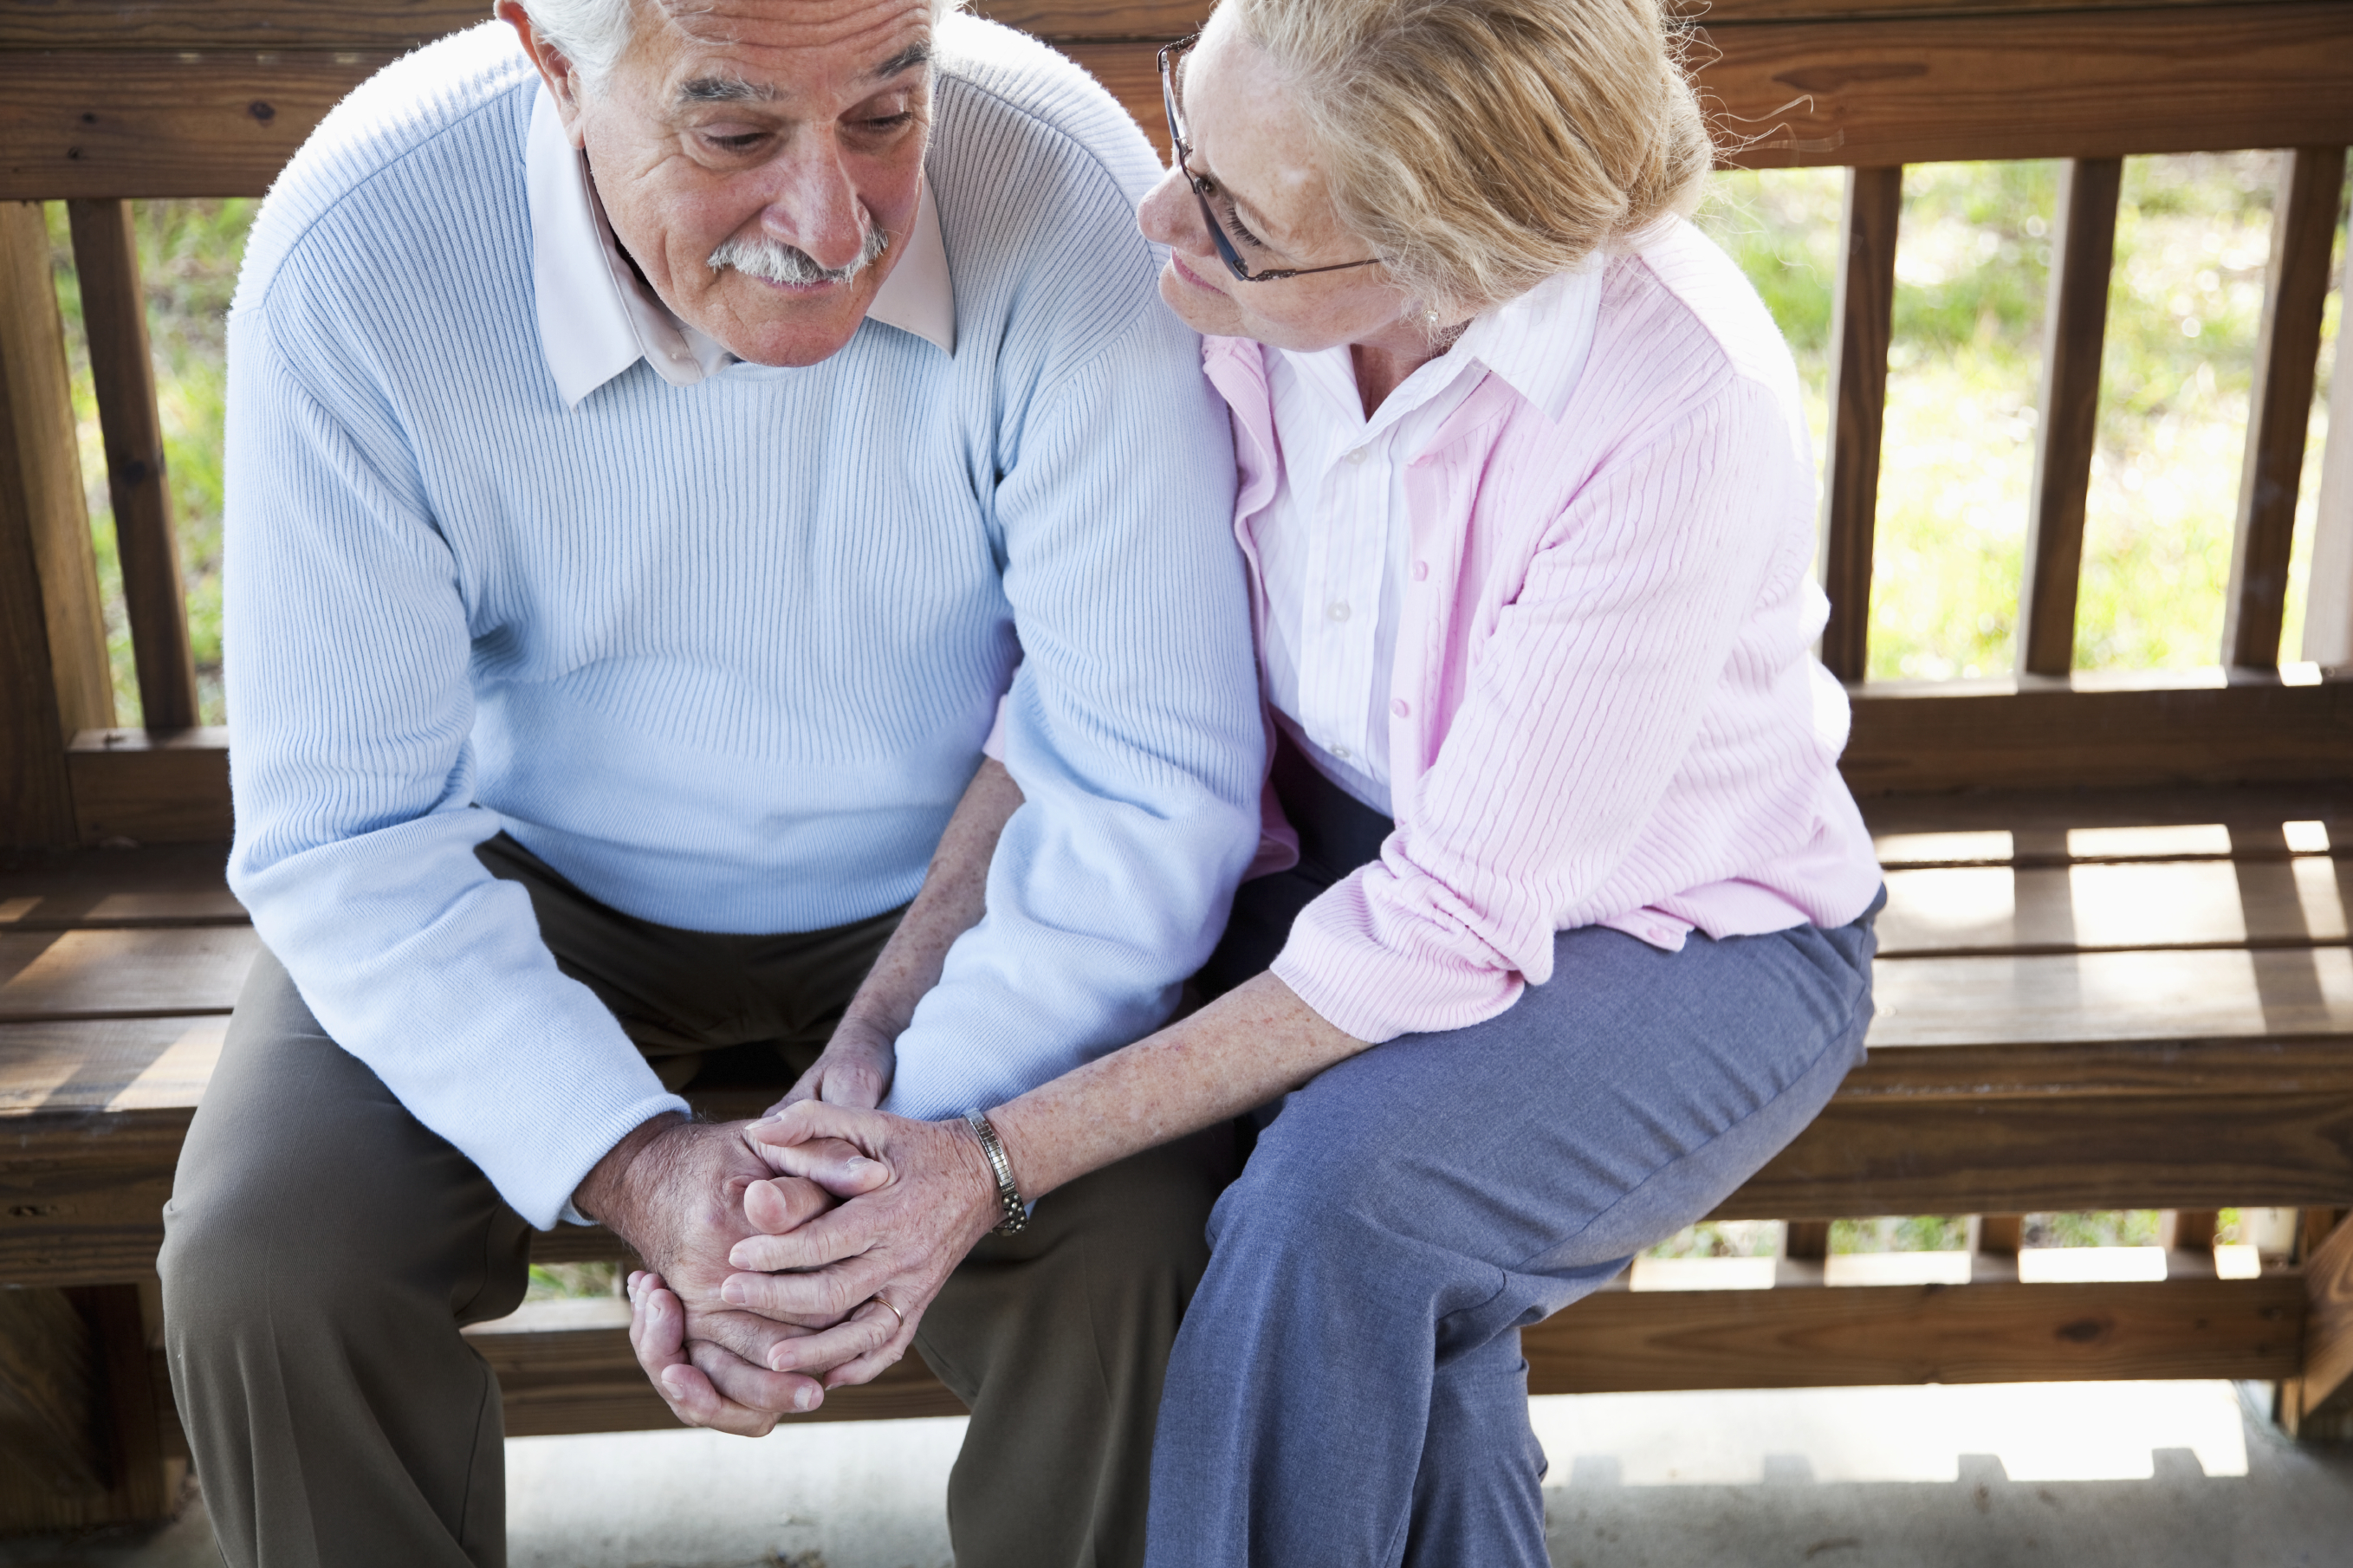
(1182, 146)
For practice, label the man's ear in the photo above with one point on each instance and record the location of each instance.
(554, 68)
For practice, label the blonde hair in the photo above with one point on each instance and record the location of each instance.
(1481, 146)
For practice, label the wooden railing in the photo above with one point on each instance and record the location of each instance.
(104, 102)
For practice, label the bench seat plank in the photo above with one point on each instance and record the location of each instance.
(1829, 1336)
(565, 1366)
(122, 973)
(1996, 908)
(172, 884)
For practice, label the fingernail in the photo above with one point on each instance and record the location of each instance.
(733, 1293)
(805, 1399)
(857, 1162)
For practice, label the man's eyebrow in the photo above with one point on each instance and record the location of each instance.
(724, 90)
(735, 90)
(906, 60)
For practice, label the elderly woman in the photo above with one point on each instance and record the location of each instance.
(1572, 930)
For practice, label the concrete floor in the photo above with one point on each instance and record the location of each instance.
(2181, 1475)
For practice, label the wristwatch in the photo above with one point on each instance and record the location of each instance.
(1009, 1196)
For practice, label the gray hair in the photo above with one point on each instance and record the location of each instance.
(595, 34)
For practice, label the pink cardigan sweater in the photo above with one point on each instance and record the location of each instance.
(1606, 709)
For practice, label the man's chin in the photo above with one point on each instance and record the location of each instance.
(789, 327)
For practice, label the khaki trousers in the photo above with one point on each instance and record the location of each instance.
(322, 1248)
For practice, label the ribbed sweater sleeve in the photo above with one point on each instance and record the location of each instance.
(351, 718)
(1132, 727)
(1577, 711)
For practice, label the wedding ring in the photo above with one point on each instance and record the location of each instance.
(886, 1305)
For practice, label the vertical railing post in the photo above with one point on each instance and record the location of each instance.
(1864, 316)
(2068, 428)
(53, 673)
(2328, 605)
(154, 596)
(2287, 354)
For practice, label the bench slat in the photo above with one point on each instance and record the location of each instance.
(1828, 1336)
(52, 976)
(2088, 731)
(2020, 1001)
(565, 1366)
(2156, 904)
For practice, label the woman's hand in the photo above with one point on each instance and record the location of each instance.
(893, 1245)
(855, 1069)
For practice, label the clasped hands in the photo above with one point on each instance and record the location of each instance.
(790, 1255)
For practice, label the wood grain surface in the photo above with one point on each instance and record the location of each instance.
(2075, 334)
(403, 24)
(2287, 354)
(219, 119)
(150, 787)
(567, 1366)
(2328, 1320)
(1845, 1336)
(2084, 733)
(52, 629)
(122, 973)
(122, 376)
(1861, 316)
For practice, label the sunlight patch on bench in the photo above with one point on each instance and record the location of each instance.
(2089, 1264)
(177, 1077)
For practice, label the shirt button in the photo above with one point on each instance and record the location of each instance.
(1340, 752)
(1421, 570)
(1338, 610)
(1398, 706)
(1358, 455)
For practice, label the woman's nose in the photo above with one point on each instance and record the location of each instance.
(1170, 216)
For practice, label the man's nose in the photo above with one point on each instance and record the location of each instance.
(813, 203)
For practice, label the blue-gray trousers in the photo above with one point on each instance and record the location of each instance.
(1347, 1388)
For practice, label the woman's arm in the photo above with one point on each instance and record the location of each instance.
(857, 1065)
(900, 1241)
(1255, 1042)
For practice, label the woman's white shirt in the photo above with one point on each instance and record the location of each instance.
(1334, 540)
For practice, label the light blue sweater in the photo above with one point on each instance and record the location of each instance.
(723, 654)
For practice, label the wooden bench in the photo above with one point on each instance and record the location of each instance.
(2114, 973)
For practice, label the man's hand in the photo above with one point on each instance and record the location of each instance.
(676, 1193)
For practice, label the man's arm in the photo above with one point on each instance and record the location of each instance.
(1132, 727)
(349, 651)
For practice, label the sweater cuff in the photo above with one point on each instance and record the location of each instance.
(1339, 967)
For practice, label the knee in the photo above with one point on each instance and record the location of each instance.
(239, 1253)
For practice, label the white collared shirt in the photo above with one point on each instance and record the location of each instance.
(1333, 541)
(596, 319)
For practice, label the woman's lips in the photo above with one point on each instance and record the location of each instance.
(1186, 273)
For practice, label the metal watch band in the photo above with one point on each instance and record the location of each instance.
(1016, 1213)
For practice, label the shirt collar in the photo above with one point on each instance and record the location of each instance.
(1539, 342)
(595, 320)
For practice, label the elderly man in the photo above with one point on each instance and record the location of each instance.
(659, 434)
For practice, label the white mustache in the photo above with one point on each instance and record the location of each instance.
(775, 262)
